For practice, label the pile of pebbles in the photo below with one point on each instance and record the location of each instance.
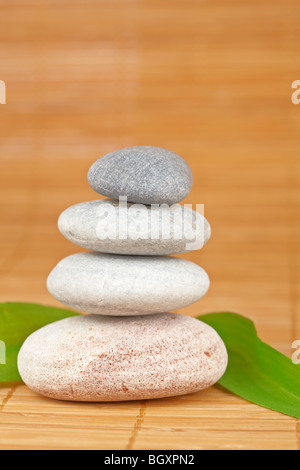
(128, 348)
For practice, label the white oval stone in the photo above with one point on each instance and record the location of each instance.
(98, 358)
(133, 229)
(126, 285)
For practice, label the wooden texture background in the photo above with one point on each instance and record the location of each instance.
(210, 80)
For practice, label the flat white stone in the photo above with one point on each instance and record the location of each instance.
(123, 228)
(98, 358)
(126, 285)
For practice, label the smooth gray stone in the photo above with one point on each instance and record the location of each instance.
(126, 285)
(100, 226)
(145, 174)
(99, 358)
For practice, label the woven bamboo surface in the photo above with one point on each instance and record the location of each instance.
(210, 80)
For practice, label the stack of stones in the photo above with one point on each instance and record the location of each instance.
(128, 348)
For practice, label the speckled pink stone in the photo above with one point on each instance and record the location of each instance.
(101, 358)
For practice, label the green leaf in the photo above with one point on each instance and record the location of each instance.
(17, 322)
(256, 371)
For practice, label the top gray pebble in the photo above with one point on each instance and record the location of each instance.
(144, 174)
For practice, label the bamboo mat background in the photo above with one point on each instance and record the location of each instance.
(210, 80)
